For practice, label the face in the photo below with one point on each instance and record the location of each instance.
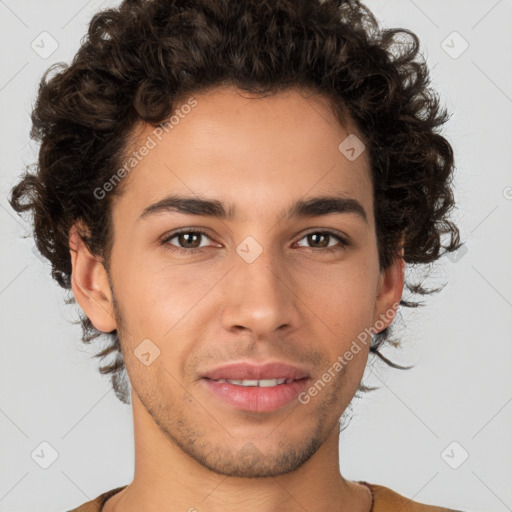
(263, 283)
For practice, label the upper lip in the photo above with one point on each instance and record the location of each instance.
(243, 371)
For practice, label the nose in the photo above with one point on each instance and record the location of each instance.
(260, 298)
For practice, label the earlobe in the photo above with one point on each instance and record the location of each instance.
(89, 282)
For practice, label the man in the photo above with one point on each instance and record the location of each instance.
(231, 190)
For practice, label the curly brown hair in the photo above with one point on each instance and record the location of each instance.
(138, 60)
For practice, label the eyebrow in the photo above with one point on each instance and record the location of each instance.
(313, 207)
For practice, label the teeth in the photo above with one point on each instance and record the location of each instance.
(263, 383)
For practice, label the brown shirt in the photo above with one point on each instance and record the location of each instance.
(384, 500)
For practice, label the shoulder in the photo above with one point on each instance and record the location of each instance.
(97, 503)
(387, 500)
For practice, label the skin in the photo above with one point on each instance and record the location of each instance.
(296, 303)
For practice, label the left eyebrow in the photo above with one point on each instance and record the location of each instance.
(313, 207)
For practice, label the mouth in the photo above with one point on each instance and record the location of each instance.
(256, 388)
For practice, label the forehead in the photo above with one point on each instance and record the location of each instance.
(249, 151)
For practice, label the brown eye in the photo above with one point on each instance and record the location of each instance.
(189, 240)
(318, 239)
(322, 240)
(186, 240)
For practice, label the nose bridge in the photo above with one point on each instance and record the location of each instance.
(259, 299)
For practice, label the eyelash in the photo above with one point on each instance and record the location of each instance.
(343, 242)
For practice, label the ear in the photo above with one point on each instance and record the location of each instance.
(389, 292)
(89, 282)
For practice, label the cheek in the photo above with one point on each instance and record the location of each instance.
(162, 302)
(342, 296)
(343, 305)
(151, 286)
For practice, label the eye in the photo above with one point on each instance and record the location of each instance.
(190, 241)
(187, 241)
(321, 240)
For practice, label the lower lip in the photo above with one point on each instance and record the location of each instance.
(254, 398)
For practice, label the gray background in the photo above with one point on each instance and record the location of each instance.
(460, 390)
